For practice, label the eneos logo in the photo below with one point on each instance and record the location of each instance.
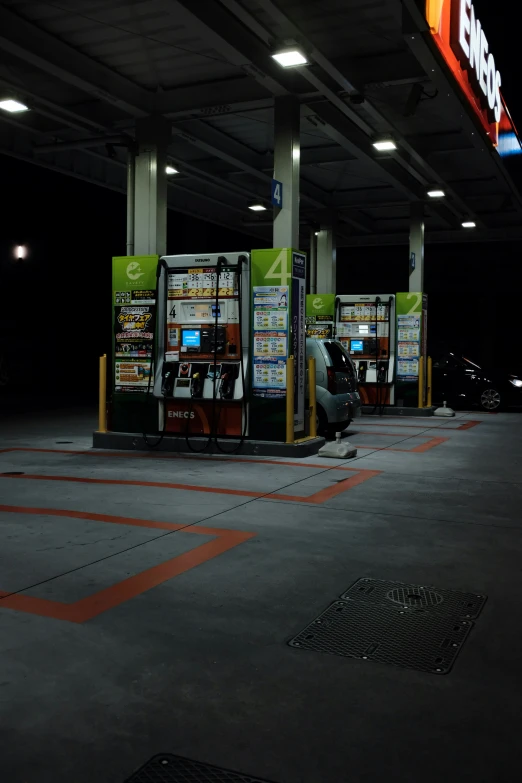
(134, 271)
(470, 45)
(181, 415)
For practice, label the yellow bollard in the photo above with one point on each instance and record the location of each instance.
(290, 400)
(421, 382)
(430, 381)
(102, 399)
(313, 398)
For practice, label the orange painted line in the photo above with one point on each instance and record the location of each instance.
(93, 605)
(362, 475)
(468, 425)
(128, 483)
(402, 426)
(94, 517)
(106, 599)
(330, 492)
(388, 434)
(160, 455)
(380, 448)
(431, 444)
(39, 606)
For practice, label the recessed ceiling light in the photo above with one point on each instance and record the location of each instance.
(290, 58)
(13, 106)
(171, 170)
(469, 224)
(385, 145)
(257, 207)
(436, 193)
(317, 233)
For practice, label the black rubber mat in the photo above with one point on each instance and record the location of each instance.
(167, 768)
(426, 641)
(421, 597)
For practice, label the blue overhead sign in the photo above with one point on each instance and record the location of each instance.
(277, 193)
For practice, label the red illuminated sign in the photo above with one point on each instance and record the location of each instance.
(459, 36)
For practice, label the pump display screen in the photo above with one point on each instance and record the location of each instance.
(191, 338)
(357, 346)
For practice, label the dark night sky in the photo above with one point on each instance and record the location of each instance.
(55, 314)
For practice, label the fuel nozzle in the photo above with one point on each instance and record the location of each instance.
(196, 388)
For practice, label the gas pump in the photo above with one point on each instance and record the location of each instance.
(203, 345)
(365, 325)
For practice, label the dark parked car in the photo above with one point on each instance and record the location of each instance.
(460, 382)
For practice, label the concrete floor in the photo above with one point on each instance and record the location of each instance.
(153, 617)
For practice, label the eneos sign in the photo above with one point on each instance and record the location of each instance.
(470, 44)
(459, 36)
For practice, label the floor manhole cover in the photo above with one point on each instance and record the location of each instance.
(385, 633)
(420, 597)
(167, 768)
(414, 596)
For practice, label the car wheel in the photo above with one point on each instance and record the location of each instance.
(490, 400)
(321, 422)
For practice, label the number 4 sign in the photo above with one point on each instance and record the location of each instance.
(277, 193)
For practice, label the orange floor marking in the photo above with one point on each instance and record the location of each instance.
(329, 492)
(430, 444)
(163, 455)
(427, 446)
(468, 425)
(87, 608)
(387, 434)
(402, 426)
(317, 497)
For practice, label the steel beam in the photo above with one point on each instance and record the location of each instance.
(223, 32)
(33, 45)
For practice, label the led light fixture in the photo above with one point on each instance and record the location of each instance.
(13, 106)
(290, 58)
(385, 145)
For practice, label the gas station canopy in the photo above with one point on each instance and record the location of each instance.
(415, 78)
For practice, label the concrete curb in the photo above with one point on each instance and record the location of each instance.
(132, 441)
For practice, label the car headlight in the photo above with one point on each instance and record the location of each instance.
(516, 382)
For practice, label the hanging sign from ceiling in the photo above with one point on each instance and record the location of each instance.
(458, 34)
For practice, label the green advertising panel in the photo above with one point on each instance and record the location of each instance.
(133, 274)
(134, 322)
(320, 307)
(278, 280)
(411, 309)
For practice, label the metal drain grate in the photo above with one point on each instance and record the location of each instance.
(450, 602)
(167, 768)
(425, 641)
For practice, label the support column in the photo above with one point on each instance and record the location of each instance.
(131, 179)
(312, 262)
(287, 154)
(326, 259)
(150, 184)
(417, 247)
